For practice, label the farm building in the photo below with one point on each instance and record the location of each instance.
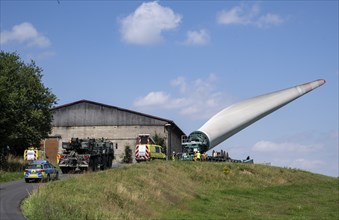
(88, 119)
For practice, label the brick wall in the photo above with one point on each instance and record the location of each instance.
(51, 146)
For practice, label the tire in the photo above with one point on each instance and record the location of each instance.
(103, 163)
(110, 161)
(93, 164)
(64, 170)
(26, 180)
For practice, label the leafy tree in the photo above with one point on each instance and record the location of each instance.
(159, 140)
(25, 103)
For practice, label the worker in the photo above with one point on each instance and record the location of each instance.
(173, 155)
(198, 155)
(58, 158)
(204, 156)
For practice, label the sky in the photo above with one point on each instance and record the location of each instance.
(187, 60)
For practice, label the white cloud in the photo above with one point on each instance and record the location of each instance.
(153, 99)
(244, 15)
(200, 37)
(234, 16)
(180, 82)
(25, 33)
(146, 24)
(268, 20)
(268, 146)
(197, 99)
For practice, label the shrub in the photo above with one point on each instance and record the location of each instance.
(128, 155)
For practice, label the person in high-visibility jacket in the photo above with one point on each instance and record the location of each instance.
(204, 156)
(58, 158)
(198, 155)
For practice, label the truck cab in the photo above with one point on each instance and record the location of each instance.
(33, 153)
(146, 149)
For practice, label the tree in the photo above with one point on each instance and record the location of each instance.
(128, 155)
(25, 117)
(159, 140)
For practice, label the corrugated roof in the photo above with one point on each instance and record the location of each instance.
(118, 108)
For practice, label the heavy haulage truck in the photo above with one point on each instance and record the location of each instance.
(86, 154)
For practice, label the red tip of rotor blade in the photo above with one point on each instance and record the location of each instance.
(321, 81)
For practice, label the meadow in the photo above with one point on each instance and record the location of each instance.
(188, 190)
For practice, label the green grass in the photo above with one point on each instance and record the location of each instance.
(188, 190)
(10, 176)
(12, 169)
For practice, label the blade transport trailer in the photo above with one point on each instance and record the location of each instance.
(238, 116)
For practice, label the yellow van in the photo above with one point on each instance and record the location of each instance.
(145, 152)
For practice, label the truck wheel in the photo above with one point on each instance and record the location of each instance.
(90, 164)
(64, 170)
(103, 164)
(27, 180)
(93, 164)
(110, 161)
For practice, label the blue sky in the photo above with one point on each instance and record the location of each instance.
(187, 60)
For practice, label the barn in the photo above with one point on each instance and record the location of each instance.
(88, 119)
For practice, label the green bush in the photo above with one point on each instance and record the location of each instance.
(128, 155)
(12, 164)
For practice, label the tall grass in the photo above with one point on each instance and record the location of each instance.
(12, 168)
(13, 164)
(188, 190)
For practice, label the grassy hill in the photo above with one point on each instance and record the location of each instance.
(188, 190)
